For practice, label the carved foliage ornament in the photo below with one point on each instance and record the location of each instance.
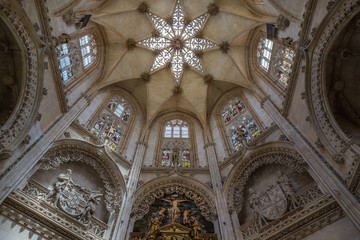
(142, 205)
(24, 111)
(236, 192)
(112, 190)
(324, 121)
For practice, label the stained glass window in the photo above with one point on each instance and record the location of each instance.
(185, 159)
(285, 65)
(88, 49)
(238, 123)
(112, 122)
(167, 157)
(108, 127)
(177, 41)
(119, 107)
(232, 109)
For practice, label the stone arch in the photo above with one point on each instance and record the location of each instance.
(71, 150)
(328, 129)
(26, 109)
(273, 153)
(202, 195)
(163, 119)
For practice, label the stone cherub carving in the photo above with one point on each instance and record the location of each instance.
(255, 206)
(62, 180)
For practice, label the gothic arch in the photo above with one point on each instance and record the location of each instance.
(202, 195)
(71, 150)
(25, 111)
(136, 113)
(192, 137)
(327, 127)
(217, 114)
(272, 153)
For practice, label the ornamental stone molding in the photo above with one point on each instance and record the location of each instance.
(199, 193)
(315, 83)
(24, 113)
(70, 150)
(238, 178)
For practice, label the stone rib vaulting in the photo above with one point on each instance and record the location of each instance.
(179, 120)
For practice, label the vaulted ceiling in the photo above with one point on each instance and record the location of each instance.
(124, 66)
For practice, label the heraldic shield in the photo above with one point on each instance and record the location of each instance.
(73, 199)
(273, 202)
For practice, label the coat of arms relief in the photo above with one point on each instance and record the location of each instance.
(73, 199)
(274, 202)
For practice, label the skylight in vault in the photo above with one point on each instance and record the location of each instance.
(177, 42)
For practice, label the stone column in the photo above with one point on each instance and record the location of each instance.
(134, 175)
(24, 165)
(317, 166)
(224, 220)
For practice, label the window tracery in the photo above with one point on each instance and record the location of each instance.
(69, 53)
(88, 49)
(111, 125)
(239, 123)
(176, 144)
(279, 65)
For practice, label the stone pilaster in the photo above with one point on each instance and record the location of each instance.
(24, 165)
(224, 220)
(123, 222)
(317, 167)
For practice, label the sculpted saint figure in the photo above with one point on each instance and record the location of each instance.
(59, 186)
(176, 157)
(174, 209)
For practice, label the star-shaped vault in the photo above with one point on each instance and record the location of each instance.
(177, 42)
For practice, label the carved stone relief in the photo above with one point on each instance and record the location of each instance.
(17, 125)
(112, 191)
(206, 205)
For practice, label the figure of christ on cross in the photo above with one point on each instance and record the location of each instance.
(174, 207)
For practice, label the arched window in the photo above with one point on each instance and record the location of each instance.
(276, 59)
(88, 49)
(112, 122)
(65, 62)
(238, 123)
(176, 144)
(176, 129)
(264, 53)
(69, 51)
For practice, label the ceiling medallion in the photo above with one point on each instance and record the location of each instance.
(178, 42)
